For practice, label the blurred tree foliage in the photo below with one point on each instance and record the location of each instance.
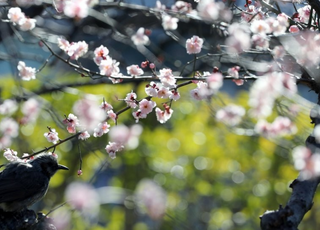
(214, 178)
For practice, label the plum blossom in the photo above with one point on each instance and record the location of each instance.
(76, 8)
(169, 23)
(109, 67)
(175, 95)
(166, 77)
(234, 72)
(215, 81)
(134, 70)
(106, 106)
(281, 126)
(89, 113)
(304, 14)
(182, 7)
(9, 127)
(15, 15)
(131, 100)
(63, 44)
(294, 29)
(52, 136)
(151, 89)
(139, 38)
(194, 45)
(84, 135)
(307, 163)
(112, 115)
(163, 92)
(230, 115)
(138, 115)
(260, 42)
(8, 107)
(278, 52)
(163, 116)
(151, 199)
(26, 24)
(71, 122)
(127, 136)
(100, 53)
(83, 197)
(146, 106)
(11, 155)
(26, 73)
(75, 50)
(260, 27)
(30, 109)
(112, 148)
(239, 39)
(102, 128)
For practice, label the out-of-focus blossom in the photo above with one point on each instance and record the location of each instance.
(89, 113)
(182, 7)
(169, 23)
(30, 109)
(146, 106)
(260, 27)
(26, 73)
(127, 136)
(209, 9)
(294, 29)
(163, 116)
(304, 14)
(76, 8)
(215, 81)
(52, 136)
(83, 198)
(234, 72)
(9, 127)
(26, 24)
(8, 107)
(139, 38)
(278, 52)
(71, 122)
(307, 163)
(77, 49)
(131, 100)
(134, 70)
(230, 115)
(194, 45)
(100, 53)
(239, 39)
(102, 128)
(281, 126)
(112, 148)
(63, 44)
(84, 135)
(252, 13)
(11, 155)
(15, 15)
(151, 199)
(112, 115)
(260, 42)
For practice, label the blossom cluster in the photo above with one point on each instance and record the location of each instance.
(17, 17)
(77, 9)
(75, 50)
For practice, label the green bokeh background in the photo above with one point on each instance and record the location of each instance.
(214, 178)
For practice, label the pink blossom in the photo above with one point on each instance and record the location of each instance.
(11, 155)
(26, 24)
(294, 29)
(182, 7)
(134, 70)
(112, 148)
(131, 100)
(77, 49)
(151, 89)
(195, 94)
(260, 42)
(52, 136)
(163, 116)
(100, 53)
(63, 44)
(76, 8)
(175, 95)
(138, 115)
(9, 127)
(72, 122)
(146, 106)
(83, 197)
(128, 136)
(26, 73)
(234, 72)
(89, 113)
(260, 27)
(230, 115)
(169, 23)
(281, 126)
(84, 135)
(151, 199)
(30, 109)
(5, 141)
(166, 77)
(194, 45)
(304, 14)
(8, 107)
(238, 81)
(109, 67)
(163, 92)
(102, 128)
(208, 9)
(307, 163)
(15, 15)
(106, 106)
(215, 81)
(140, 38)
(112, 115)
(278, 52)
